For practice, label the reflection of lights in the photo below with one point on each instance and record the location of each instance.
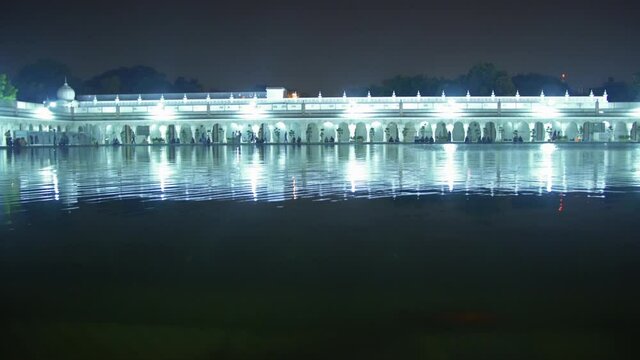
(44, 113)
(449, 148)
(548, 148)
(449, 167)
(52, 104)
(356, 171)
(162, 172)
(546, 173)
(295, 189)
(49, 174)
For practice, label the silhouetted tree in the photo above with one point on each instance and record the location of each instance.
(617, 90)
(532, 84)
(7, 90)
(184, 85)
(129, 80)
(41, 80)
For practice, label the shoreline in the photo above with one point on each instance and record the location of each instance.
(579, 143)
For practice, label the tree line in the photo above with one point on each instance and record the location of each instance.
(40, 80)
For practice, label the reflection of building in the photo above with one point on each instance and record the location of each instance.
(272, 117)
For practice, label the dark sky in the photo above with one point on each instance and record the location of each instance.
(327, 45)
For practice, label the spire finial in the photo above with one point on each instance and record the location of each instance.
(517, 93)
(320, 94)
(418, 94)
(368, 93)
(65, 80)
(468, 93)
(566, 93)
(493, 94)
(443, 94)
(393, 94)
(344, 94)
(542, 93)
(591, 93)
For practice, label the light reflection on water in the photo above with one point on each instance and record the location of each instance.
(277, 173)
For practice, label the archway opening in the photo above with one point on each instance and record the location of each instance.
(127, 136)
(489, 131)
(361, 132)
(343, 132)
(538, 132)
(264, 134)
(409, 133)
(312, 134)
(620, 132)
(506, 132)
(171, 134)
(441, 132)
(571, 132)
(186, 136)
(474, 133)
(522, 131)
(391, 132)
(457, 134)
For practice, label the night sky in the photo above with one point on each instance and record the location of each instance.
(325, 45)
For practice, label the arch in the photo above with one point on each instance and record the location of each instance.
(185, 135)
(409, 132)
(506, 131)
(474, 133)
(217, 134)
(127, 136)
(539, 132)
(587, 131)
(457, 134)
(327, 131)
(620, 132)
(343, 133)
(425, 130)
(264, 134)
(376, 132)
(171, 135)
(523, 131)
(312, 134)
(391, 132)
(441, 132)
(571, 132)
(294, 132)
(489, 131)
(361, 132)
(200, 134)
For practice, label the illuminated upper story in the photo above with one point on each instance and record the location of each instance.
(276, 103)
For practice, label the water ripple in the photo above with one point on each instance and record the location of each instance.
(285, 172)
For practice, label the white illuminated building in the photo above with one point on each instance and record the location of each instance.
(273, 116)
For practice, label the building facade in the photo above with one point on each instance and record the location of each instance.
(273, 117)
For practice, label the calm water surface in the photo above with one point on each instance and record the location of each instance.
(281, 173)
(281, 252)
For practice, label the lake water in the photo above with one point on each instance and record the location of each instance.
(372, 251)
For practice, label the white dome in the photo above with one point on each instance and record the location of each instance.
(66, 93)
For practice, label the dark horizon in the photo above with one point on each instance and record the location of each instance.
(329, 46)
